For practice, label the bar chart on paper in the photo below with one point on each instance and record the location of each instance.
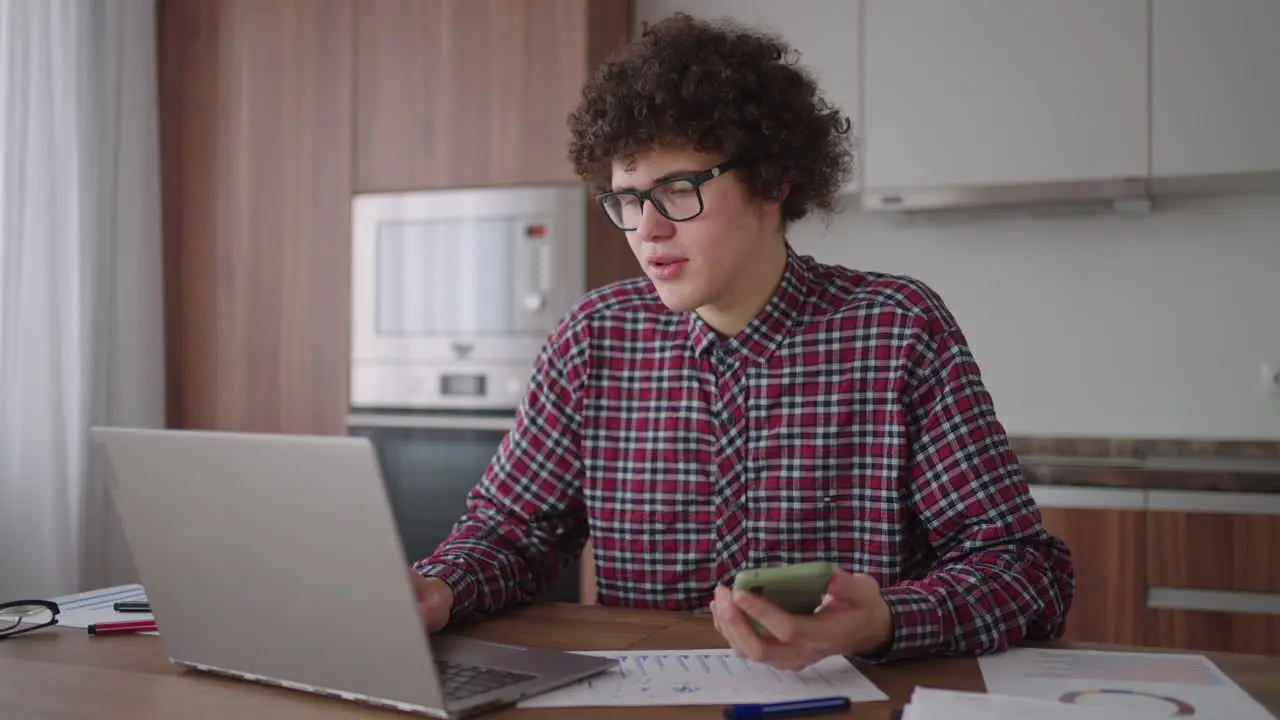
(1144, 684)
(706, 677)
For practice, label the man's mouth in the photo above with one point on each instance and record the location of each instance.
(666, 261)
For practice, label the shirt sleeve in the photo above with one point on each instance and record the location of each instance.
(997, 576)
(525, 516)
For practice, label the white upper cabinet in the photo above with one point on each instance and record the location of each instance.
(1215, 86)
(824, 32)
(994, 92)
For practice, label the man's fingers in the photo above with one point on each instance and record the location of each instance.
(785, 648)
(737, 629)
(793, 658)
(750, 644)
(853, 587)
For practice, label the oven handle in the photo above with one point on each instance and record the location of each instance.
(434, 422)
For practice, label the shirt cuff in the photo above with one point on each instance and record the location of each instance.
(463, 587)
(917, 624)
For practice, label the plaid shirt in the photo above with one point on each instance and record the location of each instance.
(846, 422)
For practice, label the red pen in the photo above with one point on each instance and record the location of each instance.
(128, 626)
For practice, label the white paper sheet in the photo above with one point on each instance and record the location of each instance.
(1142, 684)
(706, 677)
(96, 606)
(84, 609)
(937, 704)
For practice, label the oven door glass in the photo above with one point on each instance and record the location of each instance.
(428, 473)
(446, 277)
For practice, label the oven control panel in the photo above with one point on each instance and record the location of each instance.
(435, 388)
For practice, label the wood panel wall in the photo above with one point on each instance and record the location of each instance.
(256, 145)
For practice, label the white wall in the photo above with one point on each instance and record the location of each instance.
(1105, 325)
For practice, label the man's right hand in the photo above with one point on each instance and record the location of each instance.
(435, 600)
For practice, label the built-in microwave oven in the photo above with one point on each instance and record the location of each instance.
(454, 292)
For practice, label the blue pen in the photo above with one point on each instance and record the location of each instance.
(817, 706)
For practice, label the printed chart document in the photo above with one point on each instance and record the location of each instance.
(84, 609)
(1142, 684)
(706, 677)
(937, 704)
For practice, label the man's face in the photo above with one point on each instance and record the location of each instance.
(699, 262)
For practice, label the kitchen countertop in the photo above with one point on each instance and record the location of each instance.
(1216, 466)
(1221, 474)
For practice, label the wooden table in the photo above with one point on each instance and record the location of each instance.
(65, 673)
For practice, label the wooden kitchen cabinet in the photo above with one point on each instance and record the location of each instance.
(1215, 87)
(273, 113)
(1235, 552)
(1214, 580)
(996, 92)
(255, 124)
(454, 93)
(1214, 631)
(1107, 548)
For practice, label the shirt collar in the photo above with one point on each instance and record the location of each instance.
(766, 331)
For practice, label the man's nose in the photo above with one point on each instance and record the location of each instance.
(653, 225)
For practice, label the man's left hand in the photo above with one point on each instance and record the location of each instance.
(853, 618)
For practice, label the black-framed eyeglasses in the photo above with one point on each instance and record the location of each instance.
(678, 198)
(23, 616)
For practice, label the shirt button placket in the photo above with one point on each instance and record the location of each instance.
(730, 501)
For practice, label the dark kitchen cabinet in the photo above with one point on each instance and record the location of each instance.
(428, 472)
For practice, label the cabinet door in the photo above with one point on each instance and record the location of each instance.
(1235, 552)
(1214, 572)
(824, 33)
(992, 92)
(1215, 95)
(255, 124)
(453, 93)
(1106, 546)
(1255, 633)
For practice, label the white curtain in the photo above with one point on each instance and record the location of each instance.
(81, 339)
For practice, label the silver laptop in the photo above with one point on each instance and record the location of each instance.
(276, 559)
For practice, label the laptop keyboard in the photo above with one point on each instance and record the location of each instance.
(463, 681)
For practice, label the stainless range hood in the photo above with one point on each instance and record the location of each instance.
(1124, 194)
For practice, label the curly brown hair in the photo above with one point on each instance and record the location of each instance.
(716, 87)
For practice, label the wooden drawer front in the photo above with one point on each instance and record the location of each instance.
(1106, 547)
(1214, 631)
(1213, 551)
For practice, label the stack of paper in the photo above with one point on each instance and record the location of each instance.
(98, 606)
(935, 704)
(84, 609)
(1141, 684)
(706, 677)
(1059, 684)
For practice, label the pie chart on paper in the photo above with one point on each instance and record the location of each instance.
(1139, 685)
(1142, 704)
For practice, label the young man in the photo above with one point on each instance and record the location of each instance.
(744, 406)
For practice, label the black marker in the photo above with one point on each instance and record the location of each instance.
(129, 606)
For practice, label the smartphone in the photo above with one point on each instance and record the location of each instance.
(798, 589)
